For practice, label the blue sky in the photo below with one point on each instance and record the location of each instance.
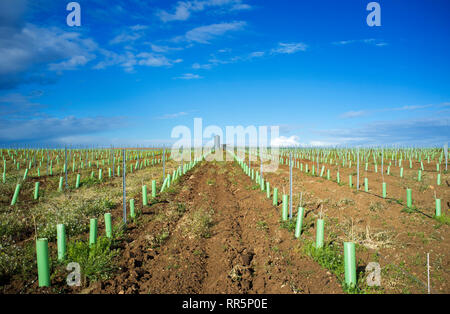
(135, 69)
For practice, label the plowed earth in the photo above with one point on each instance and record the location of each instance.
(214, 234)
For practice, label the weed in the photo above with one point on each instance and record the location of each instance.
(288, 224)
(96, 261)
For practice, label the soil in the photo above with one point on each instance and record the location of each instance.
(244, 250)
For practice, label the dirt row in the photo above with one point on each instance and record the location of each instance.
(214, 234)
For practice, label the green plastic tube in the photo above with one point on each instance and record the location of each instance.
(262, 184)
(108, 225)
(366, 184)
(319, 233)
(285, 207)
(438, 207)
(61, 241)
(384, 189)
(438, 181)
(36, 190)
(275, 197)
(153, 188)
(77, 183)
(43, 263)
(100, 174)
(144, 195)
(164, 184)
(350, 181)
(408, 198)
(338, 179)
(93, 231)
(419, 175)
(60, 186)
(267, 189)
(25, 174)
(350, 263)
(132, 213)
(4, 177)
(299, 224)
(16, 194)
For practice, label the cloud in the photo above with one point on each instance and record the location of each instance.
(131, 34)
(353, 114)
(198, 66)
(124, 37)
(27, 50)
(257, 54)
(19, 106)
(189, 76)
(368, 41)
(50, 129)
(128, 60)
(282, 141)
(289, 48)
(163, 49)
(409, 107)
(150, 59)
(184, 9)
(361, 113)
(423, 131)
(280, 49)
(172, 115)
(204, 34)
(11, 12)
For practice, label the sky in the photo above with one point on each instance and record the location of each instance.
(133, 70)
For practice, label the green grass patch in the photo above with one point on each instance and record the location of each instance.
(96, 261)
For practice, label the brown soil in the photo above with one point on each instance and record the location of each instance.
(227, 239)
(404, 238)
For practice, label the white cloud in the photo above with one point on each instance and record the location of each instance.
(353, 114)
(71, 64)
(150, 59)
(198, 66)
(172, 115)
(138, 27)
(129, 60)
(368, 41)
(414, 107)
(203, 34)
(189, 76)
(421, 131)
(130, 34)
(257, 54)
(52, 128)
(124, 37)
(184, 9)
(29, 46)
(282, 141)
(289, 48)
(163, 49)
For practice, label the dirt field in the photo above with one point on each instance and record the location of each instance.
(215, 231)
(225, 240)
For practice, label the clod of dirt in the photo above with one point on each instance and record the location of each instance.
(247, 258)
